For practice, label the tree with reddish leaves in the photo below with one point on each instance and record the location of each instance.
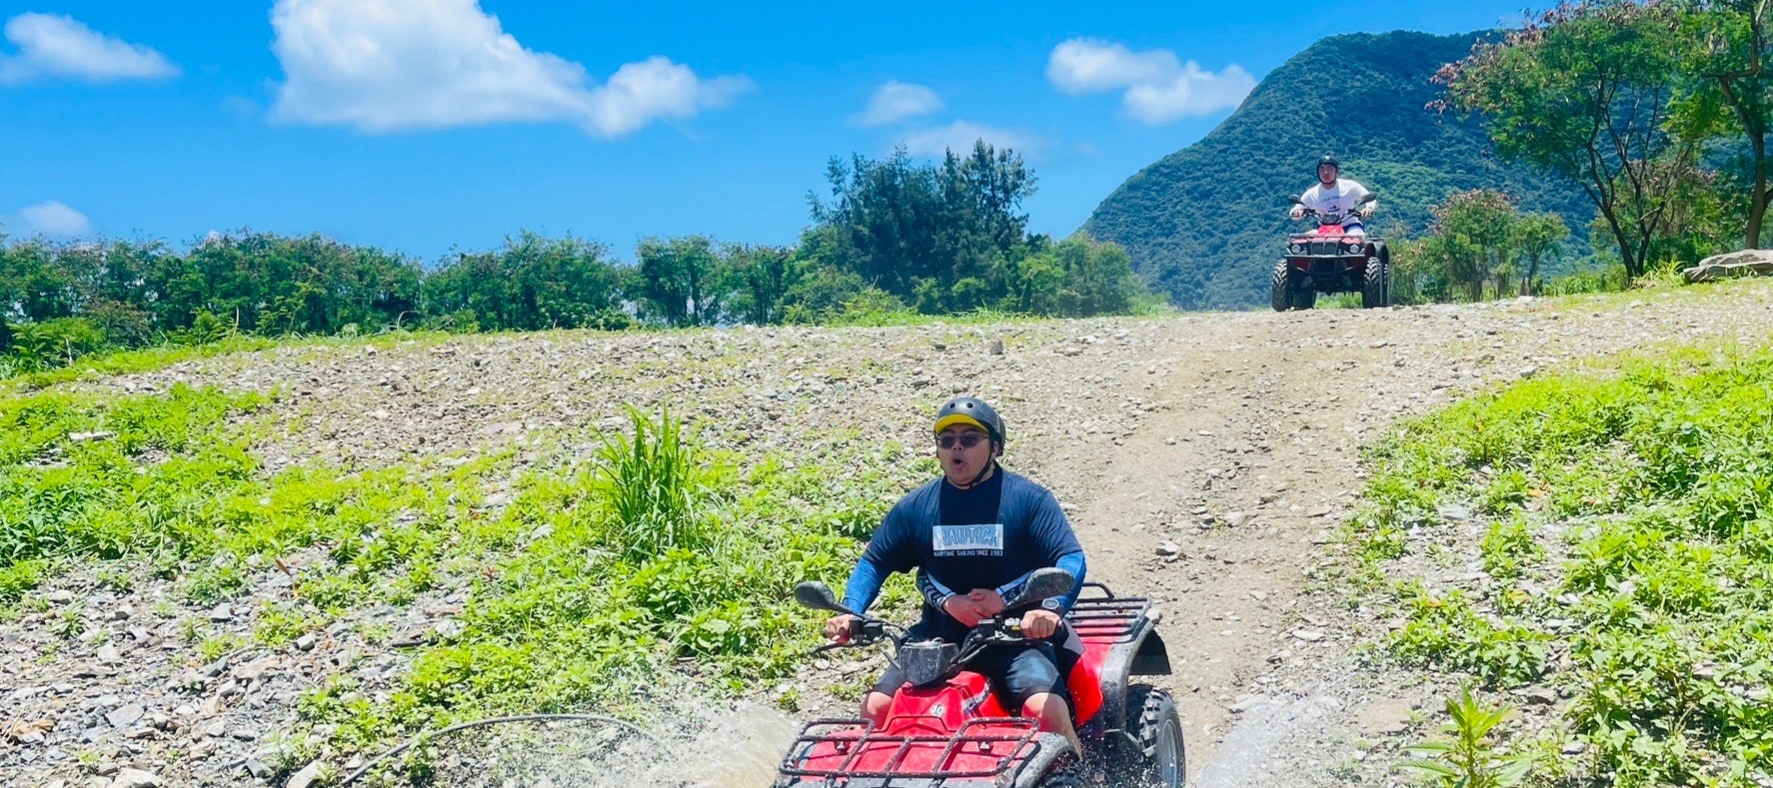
(1590, 90)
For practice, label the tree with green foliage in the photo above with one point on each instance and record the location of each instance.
(1589, 91)
(1537, 237)
(1479, 237)
(1732, 90)
(1078, 277)
(680, 280)
(1472, 240)
(931, 235)
(763, 277)
(34, 284)
(533, 283)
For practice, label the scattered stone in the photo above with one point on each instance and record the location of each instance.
(1538, 696)
(306, 777)
(1454, 512)
(125, 716)
(134, 778)
(1308, 635)
(222, 612)
(1248, 702)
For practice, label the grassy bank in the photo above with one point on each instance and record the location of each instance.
(1602, 538)
(585, 580)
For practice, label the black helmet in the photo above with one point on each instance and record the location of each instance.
(974, 411)
(1330, 160)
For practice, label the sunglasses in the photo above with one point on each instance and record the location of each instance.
(966, 440)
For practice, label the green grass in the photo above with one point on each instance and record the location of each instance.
(651, 562)
(1627, 540)
(599, 610)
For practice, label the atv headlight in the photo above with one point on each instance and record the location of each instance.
(926, 662)
(1354, 248)
(1296, 249)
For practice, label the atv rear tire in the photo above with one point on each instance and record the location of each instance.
(1304, 296)
(1376, 281)
(1280, 291)
(1159, 761)
(1064, 778)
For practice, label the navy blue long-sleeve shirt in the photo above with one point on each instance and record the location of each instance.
(992, 536)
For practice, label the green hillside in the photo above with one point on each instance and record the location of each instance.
(1205, 224)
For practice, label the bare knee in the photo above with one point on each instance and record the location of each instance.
(874, 707)
(1047, 706)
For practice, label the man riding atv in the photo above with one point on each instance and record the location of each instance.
(976, 535)
(1336, 198)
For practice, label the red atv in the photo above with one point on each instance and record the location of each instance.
(945, 729)
(1331, 261)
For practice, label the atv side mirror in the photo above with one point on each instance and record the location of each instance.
(817, 596)
(1045, 583)
(1367, 199)
(1295, 200)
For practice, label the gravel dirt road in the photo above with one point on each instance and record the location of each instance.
(1205, 460)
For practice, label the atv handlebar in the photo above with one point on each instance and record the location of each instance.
(1005, 627)
(1355, 211)
(863, 632)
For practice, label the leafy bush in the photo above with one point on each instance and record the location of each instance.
(54, 343)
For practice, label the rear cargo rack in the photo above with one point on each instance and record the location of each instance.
(1107, 618)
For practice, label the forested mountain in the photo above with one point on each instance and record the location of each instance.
(1206, 223)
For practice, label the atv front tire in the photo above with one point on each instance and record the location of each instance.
(1159, 761)
(1280, 292)
(1376, 281)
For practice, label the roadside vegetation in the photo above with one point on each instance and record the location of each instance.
(589, 583)
(895, 241)
(1600, 543)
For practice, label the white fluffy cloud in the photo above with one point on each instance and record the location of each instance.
(390, 65)
(50, 218)
(896, 101)
(1158, 87)
(52, 47)
(960, 135)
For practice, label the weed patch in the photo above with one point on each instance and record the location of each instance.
(1623, 525)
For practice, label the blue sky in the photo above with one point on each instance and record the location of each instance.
(423, 126)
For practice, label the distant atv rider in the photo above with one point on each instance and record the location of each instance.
(974, 536)
(1336, 199)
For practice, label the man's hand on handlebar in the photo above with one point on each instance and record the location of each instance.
(841, 627)
(1037, 624)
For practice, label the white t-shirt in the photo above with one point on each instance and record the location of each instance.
(1334, 203)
